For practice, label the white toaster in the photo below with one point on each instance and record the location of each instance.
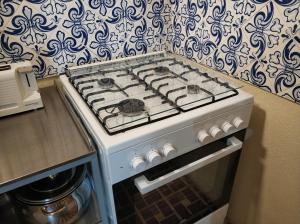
(18, 89)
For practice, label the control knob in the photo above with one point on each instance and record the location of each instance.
(237, 122)
(227, 127)
(168, 150)
(138, 163)
(215, 132)
(203, 137)
(153, 156)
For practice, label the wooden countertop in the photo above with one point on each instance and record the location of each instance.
(38, 140)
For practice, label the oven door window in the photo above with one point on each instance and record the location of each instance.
(185, 199)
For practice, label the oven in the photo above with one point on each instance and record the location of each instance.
(186, 189)
(169, 136)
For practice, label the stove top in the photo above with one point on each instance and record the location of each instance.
(137, 91)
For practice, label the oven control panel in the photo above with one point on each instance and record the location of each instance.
(154, 157)
(215, 132)
(141, 157)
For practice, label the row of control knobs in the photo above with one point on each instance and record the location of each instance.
(153, 157)
(216, 132)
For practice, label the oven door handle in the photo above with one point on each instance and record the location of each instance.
(145, 186)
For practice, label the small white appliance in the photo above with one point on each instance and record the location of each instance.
(169, 135)
(18, 89)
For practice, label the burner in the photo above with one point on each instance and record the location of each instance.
(161, 70)
(193, 89)
(131, 107)
(106, 83)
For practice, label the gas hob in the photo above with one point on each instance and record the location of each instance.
(129, 101)
(137, 91)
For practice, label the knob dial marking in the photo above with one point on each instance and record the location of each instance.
(215, 132)
(203, 137)
(168, 150)
(227, 127)
(237, 122)
(138, 163)
(153, 156)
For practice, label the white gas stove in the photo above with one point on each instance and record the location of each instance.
(152, 112)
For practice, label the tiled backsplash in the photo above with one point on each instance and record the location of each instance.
(257, 41)
(59, 33)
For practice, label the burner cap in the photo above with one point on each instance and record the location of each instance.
(193, 89)
(131, 107)
(161, 70)
(106, 83)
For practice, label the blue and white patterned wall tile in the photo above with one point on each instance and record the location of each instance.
(7, 10)
(254, 40)
(264, 34)
(11, 50)
(65, 33)
(274, 58)
(160, 16)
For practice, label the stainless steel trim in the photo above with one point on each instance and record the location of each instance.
(76, 117)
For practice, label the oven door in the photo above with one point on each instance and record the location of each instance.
(183, 190)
